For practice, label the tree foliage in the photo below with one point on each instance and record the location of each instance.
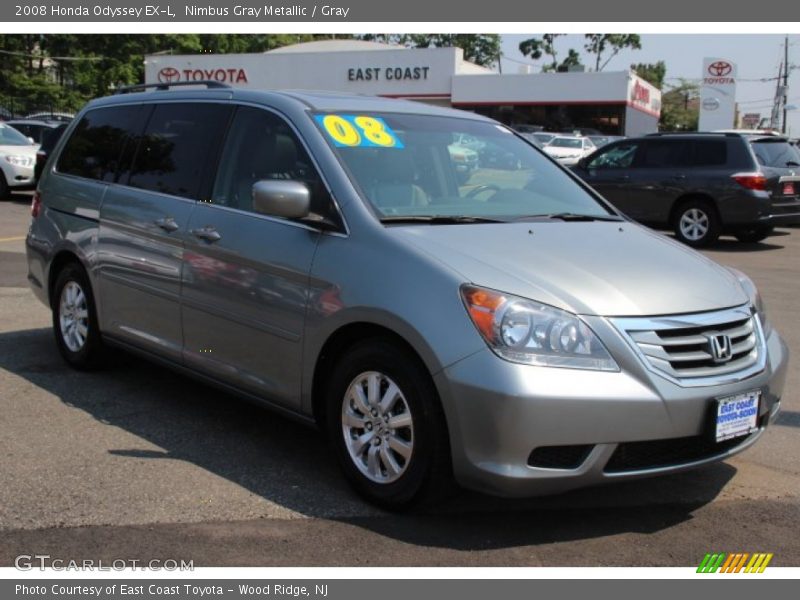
(535, 48)
(680, 108)
(65, 70)
(482, 48)
(653, 73)
(600, 43)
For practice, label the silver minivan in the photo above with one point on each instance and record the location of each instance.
(325, 255)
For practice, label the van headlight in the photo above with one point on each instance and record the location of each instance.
(532, 333)
(756, 302)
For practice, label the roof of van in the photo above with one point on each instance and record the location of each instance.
(316, 100)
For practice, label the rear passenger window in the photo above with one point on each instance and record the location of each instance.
(177, 147)
(708, 153)
(261, 145)
(95, 146)
(666, 153)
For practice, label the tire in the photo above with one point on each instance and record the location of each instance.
(696, 223)
(754, 235)
(75, 319)
(5, 192)
(393, 467)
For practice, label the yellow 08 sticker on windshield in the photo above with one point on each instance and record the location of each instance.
(350, 131)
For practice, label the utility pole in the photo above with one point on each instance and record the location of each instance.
(785, 79)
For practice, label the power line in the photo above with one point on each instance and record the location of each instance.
(45, 57)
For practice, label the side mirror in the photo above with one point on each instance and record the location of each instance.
(583, 162)
(281, 198)
(31, 141)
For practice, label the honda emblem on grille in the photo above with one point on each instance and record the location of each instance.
(719, 345)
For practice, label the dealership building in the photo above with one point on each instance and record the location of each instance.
(614, 102)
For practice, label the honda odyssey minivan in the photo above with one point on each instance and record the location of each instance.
(325, 255)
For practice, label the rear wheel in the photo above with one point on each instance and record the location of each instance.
(696, 223)
(755, 234)
(75, 319)
(384, 418)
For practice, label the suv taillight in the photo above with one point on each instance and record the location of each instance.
(751, 181)
(36, 205)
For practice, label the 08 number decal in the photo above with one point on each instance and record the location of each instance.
(349, 131)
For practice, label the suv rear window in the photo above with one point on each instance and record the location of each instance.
(94, 148)
(776, 153)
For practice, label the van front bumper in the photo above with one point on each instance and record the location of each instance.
(602, 426)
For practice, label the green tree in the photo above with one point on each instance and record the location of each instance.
(535, 48)
(652, 72)
(65, 70)
(482, 49)
(573, 59)
(599, 43)
(680, 107)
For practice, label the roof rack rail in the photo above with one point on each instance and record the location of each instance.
(725, 133)
(128, 89)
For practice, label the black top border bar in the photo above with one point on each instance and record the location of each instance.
(343, 11)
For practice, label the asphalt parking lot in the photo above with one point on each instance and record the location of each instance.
(137, 462)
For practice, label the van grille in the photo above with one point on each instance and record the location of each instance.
(681, 348)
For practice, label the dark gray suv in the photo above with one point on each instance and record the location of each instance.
(701, 185)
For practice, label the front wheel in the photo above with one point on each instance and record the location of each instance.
(75, 319)
(385, 421)
(696, 223)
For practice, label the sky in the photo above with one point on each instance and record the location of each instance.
(756, 56)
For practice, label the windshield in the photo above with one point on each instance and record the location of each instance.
(566, 143)
(418, 166)
(11, 137)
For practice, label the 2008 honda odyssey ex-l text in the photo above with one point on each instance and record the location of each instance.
(323, 254)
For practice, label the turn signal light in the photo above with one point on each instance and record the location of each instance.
(482, 305)
(751, 181)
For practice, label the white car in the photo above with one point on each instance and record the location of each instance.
(17, 160)
(569, 149)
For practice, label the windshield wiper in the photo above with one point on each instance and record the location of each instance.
(439, 219)
(567, 216)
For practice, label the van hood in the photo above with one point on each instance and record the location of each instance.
(589, 268)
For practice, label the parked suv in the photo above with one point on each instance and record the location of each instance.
(321, 254)
(701, 185)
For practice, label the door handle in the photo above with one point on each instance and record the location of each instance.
(679, 177)
(167, 224)
(207, 233)
(622, 178)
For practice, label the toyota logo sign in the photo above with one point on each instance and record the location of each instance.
(169, 75)
(719, 68)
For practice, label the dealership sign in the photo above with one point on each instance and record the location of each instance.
(644, 96)
(227, 75)
(751, 120)
(717, 95)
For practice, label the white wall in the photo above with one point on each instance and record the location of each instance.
(431, 70)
